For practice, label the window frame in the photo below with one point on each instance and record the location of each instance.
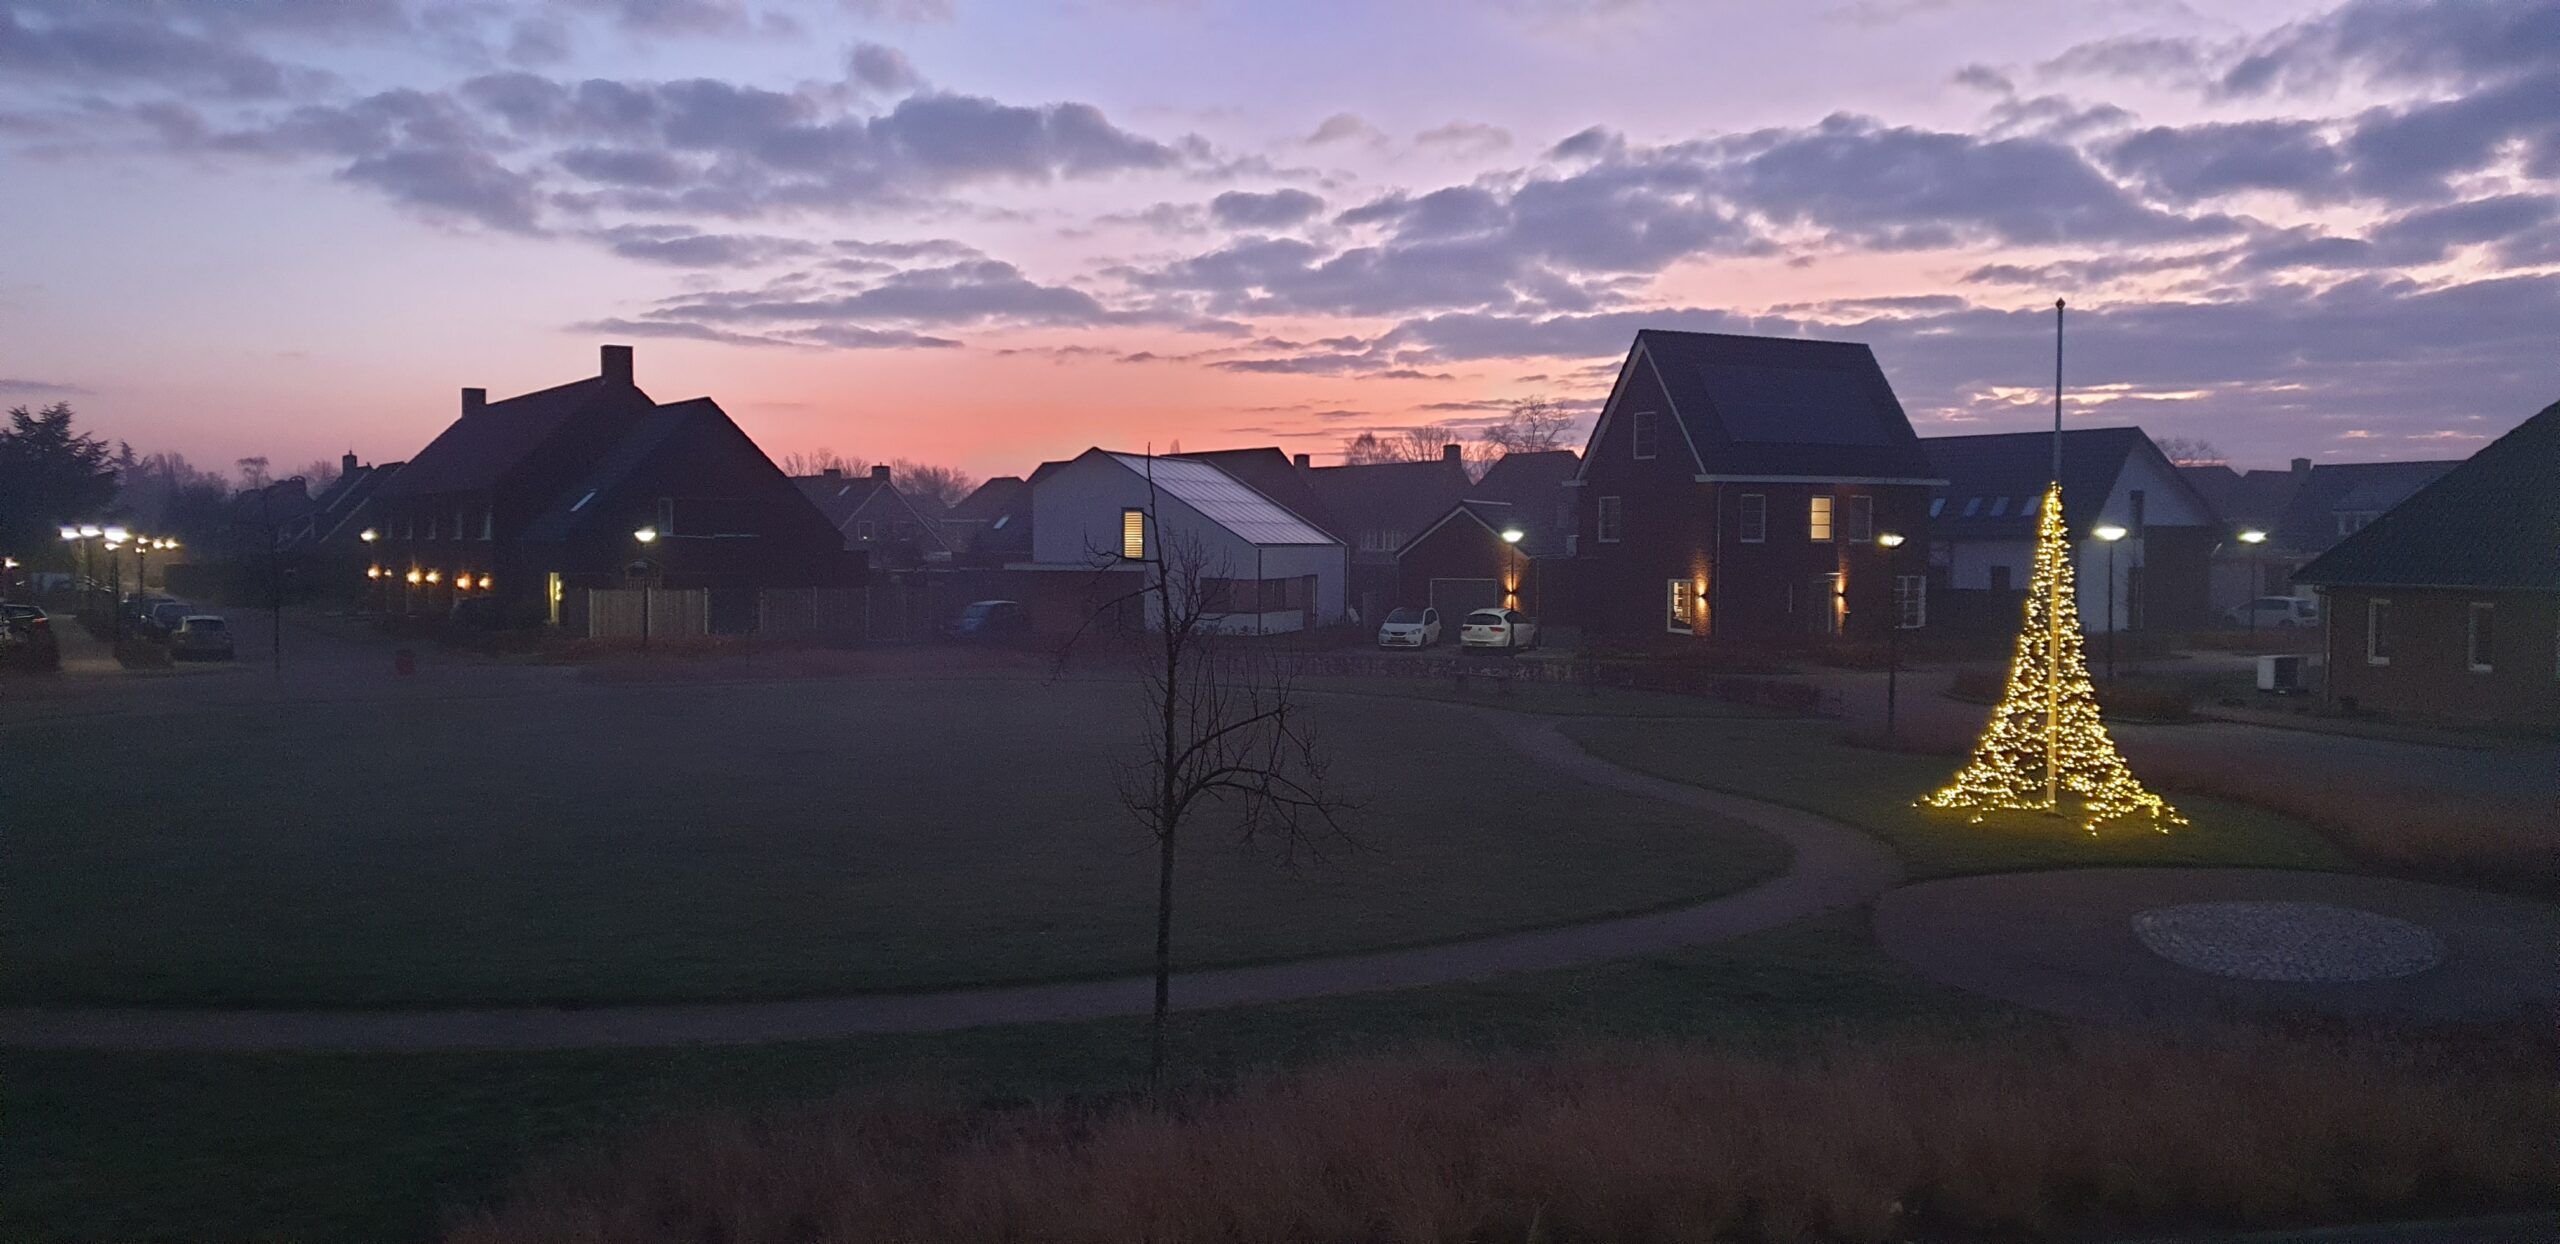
(1910, 602)
(1674, 592)
(1133, 533)
(1821, 515)
(1751, 518)
(1609, 520)
(2473, 633)
(2377, 630)
(1862, 518)
(1644, 435)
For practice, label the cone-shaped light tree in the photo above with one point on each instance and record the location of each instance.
(2046, 750)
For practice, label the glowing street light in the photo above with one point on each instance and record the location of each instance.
(2257, 586)
(646, 535)
(1889, 541)
(2110, 533)
(368, 535)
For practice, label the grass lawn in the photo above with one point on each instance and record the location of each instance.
(622, 843)
(376, 1148)
(1802, 764)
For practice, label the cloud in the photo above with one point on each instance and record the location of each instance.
(881, 68)
(452, 182)
(1244, 209)
(682, 246)
(2197, 162)
(1466, 138)
(97, 44)
(2431, 42)
(1344, 127)
(39, 388)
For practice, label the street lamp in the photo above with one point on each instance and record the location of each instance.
(1891, 541)
(1511, 537)
(646, 536)
(2110, 533)
(2257, 574)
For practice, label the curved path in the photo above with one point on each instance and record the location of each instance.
(1833, 866)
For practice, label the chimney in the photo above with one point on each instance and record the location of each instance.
(880, 473)
(617, 365)
(1449, 453)
(347, 463)
(833, 472)
(474, 401)
(1304, 461)
(2301, 467)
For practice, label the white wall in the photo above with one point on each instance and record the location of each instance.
(1075, 516)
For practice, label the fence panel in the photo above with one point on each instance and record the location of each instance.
(631, 613)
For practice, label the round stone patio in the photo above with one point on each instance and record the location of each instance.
(2194, 944)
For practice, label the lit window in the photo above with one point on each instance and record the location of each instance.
(1755, 518)
(1910, 601)
(1133, 534)
(2481, 635)
(2377, 632)
(1682, 611)
(1862, 518)
(1641, 434)
(1608, 520)
(1818, 519)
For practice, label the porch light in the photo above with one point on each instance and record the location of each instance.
(117, 535)
(70, 533)
(435, 576)
(1889, 539)
(91, 530)
(484, 583)
(373, 572)
(413, 574)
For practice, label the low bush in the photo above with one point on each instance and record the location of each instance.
(2024, 1135)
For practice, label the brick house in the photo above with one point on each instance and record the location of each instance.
(1733, 488)
(1462, 562)
(876, 517)
(1375, 508)
(2447, 605)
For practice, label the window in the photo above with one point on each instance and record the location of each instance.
(1609, 520)
(2483, 651)
(1972, 506)
(488, 523)
(1827, 604)
(1641, 433)
(1910, 601)
(1999, 578)
(864, 529)
(2135, 497)
(1133, 534)
(1862, 518)
(1817, 522)
(1682, 613)
(1937, 506)
(2377, 632)
(459, 530)
(1755, 518)
(1999, 506)
(553, 591)
(431, 527)
(666, 517)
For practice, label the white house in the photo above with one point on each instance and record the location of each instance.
(1275, 571)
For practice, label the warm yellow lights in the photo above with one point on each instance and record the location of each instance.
(435, 576)
(373, 572)
(484, 583)
(2046, 742)
(1889, 539)
(414, 576)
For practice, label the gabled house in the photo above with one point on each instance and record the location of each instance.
(992, 525)
(1481, 555)
(2447, 605)
(342, 512)
(2303, 512)
(1272, 570)
(1538, 487)
(1734, 488)
(1982, 528)
(520, 501)
(1376, 508)
(875, 516)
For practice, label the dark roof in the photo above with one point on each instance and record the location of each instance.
(2008, 471)
(837, 496)
(632, 450)
(2490, 522)
(477, 450)
(1528, 476)
(1387, 496)
(2243, 499)
(1539, 537)
(1005, 494)
(1784, 406)
(2308, 522)
(1273, 474)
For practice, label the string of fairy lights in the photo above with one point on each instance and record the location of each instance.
(2046, 744)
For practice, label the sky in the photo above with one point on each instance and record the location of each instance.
(991, 234)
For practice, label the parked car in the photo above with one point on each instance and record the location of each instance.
(1498, 628)
(2278, 611)
(164, 616)
(990, 621)
(27, 640)
(200, 635)
(1410, 628)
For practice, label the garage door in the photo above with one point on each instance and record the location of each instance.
(1455, 598)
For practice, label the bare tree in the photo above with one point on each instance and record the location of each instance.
(1365, 450)
(1226, 735)
(1535, 425)
(2191, 451)
(942, 485)
(253, 473)
(319, 473)
(1423, 443)
(820, 461)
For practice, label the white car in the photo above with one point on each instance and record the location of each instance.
(1410, 628)
(201, 635)
(1498, 628)
(2278, 611)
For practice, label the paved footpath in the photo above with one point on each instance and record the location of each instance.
(1834, 866)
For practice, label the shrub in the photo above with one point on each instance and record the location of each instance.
(2028, 1134)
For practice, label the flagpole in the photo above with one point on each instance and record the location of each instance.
(2053, 603)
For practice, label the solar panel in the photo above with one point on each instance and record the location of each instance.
(1225, 500)
(1802, 405)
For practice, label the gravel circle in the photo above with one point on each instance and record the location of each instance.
(2287, 941)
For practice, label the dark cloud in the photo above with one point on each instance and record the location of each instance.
(2191, 163)
(2439, 42)
(881, 68)
(1278, 209)
(95, 44)
(453, 182)
(681, 246)
(39, 388)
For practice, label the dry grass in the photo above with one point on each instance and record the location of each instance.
(2017, 1136)
(2399, 828)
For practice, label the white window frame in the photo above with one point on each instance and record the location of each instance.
(2377, 627)
(1644, 434)
(1753, 519)
(1673, 591)
(1910, 601)
(1819, 511)
(2471, 636)
(1609, 520)
(1862, 518)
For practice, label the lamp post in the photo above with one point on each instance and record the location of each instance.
(2110, 533)
(8, 577)
(646, 536)
(2253, 538)
(1511, 537)
(1891, 542)
(373, 570)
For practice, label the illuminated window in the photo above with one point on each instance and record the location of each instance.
(555, 594)
(2377, 632)
(1755, 518)
(1133, 534)
(1910, 601)
(1641, 435)
(2480, 635)
(1609, 520)
(1818, 519)
(1862, 518)
(1681, 614)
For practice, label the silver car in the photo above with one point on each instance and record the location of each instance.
(201, 635)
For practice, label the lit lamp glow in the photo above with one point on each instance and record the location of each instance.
(2046, 741)
(484, 583)
(414, 576)
(435, 576)
(646, 535)
(2253, 537)
(373, 572)
(368, 535)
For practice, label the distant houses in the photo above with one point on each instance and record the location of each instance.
(876, 517)
(2300, 512)
(1267, 568)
